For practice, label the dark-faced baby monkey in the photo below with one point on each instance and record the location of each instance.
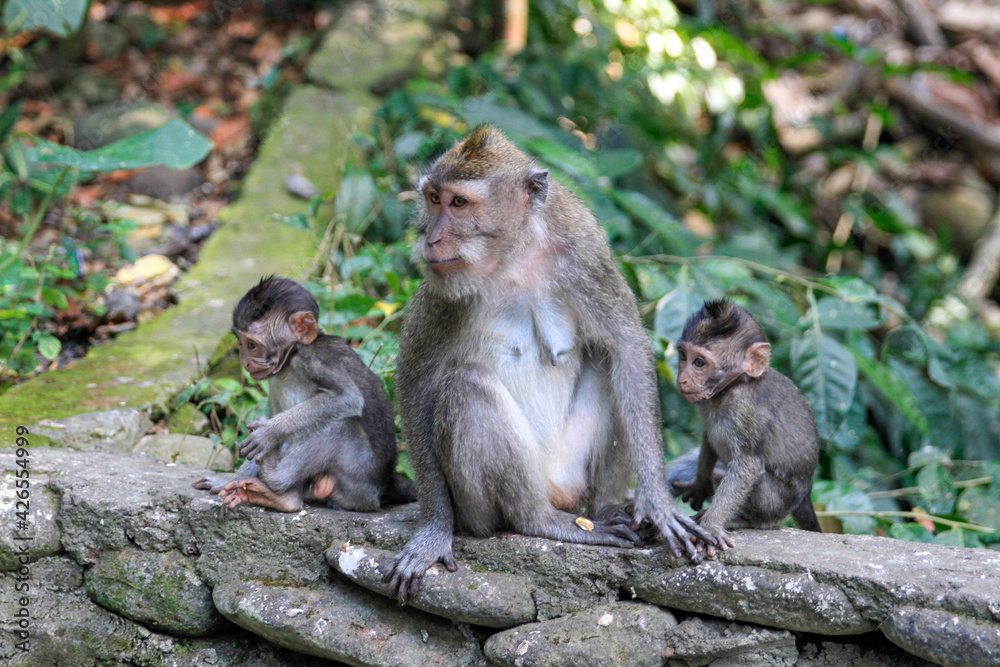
(525, 382)
(331, 433)
(755, 421)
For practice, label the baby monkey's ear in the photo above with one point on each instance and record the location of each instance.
(757, 359)
(304, 327)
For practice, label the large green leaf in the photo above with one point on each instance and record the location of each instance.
(981, 507)
(174, 144)
(937, 489)
(826, 373)
(675, 307)
(564, 158)
(670, 230)
(894, 389)
(57, 17)
(835, 314)
(8, 117)
(836, 496)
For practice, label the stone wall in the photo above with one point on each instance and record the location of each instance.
(129, 564)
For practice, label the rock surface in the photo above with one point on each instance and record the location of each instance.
(160, 590)
(944, 638)
(346, 623)
(709, 642)
(111, 430)
(157, 546)
(193, 450)
(603, 636)
(491, 599)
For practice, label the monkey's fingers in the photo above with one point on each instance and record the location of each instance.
(693, 528)
(207, 484)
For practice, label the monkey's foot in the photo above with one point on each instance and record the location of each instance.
(254, 491)
(429, 546)
(213, 485)
(322, 487)
(725, 542)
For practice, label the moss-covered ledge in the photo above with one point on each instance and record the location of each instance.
(146, 367)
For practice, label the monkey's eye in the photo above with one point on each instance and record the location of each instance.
(699, 362)
(682, 356)
(458, 201)
(434, 197)
(251, 345)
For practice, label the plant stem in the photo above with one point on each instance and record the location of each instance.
(910, 490)
(909, 515)
(33, 226)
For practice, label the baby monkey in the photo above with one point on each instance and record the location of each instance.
(755, 421)
(331, 432)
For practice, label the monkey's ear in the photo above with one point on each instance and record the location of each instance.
(537, 186)
(757, 359)
(304, 327)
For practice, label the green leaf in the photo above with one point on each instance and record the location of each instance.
(835, 314)
(850, 287)
(979, 506)
(8, 117)
(663, 224)
(843, 497)
(564, 158)
(956, 537)
(49, 346)
(614, 163)
(228, 384)
(675, 307)
(356, 198)
(894, 389)
(911, 532)
(55, 297)
(937, 489)
(347, 309)
(826, 373)
(925, 456)
(175, 144)
(57, 17)
(296, 221)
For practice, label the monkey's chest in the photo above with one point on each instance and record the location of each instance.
(533, 348)
(285, 391)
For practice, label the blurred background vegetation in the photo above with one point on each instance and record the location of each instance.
(833, 166)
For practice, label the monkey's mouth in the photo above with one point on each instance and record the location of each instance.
(259, 373)
(444, 267)
(692, 396)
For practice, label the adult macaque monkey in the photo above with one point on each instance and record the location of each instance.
(756, 422)
(525, 380)
(331, 425)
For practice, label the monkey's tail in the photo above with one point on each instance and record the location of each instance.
(805, 515)
(685, 467)
(399, 491)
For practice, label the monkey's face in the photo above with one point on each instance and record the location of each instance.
(701, 372)
(459, 235)
(265, 346)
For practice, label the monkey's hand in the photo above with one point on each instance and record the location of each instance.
(695, 492)
(427, 547)
(676, 528)
(261, 441)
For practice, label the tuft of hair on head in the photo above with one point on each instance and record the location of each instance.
(480, 154)
(269, 295)
(721, 319)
